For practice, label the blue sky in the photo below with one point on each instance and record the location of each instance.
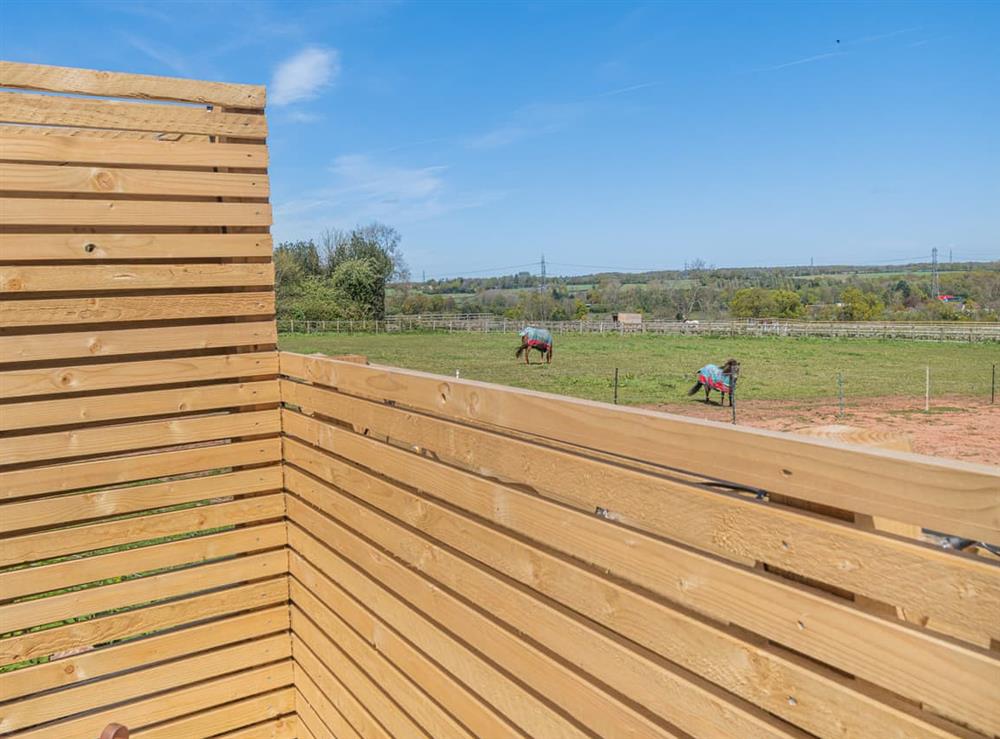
(608, 134)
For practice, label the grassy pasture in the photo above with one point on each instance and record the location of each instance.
(655, 369)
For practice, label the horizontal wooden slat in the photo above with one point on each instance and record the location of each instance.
(59, 212)
(83, 150)
(37, 247)
(954, 497)
(170, 705)
(212, 721)
(16, 107)
(133, 277)
(66, 411)
(142, 621)
(80, 475)
(136, 436)
(70, 572)
(954, 588)
(40, 709)
(22, 615)
(114, 309)
(64, 509)
(49, 544)
(821, 706)
(49, 78)
(168, 645)
(81, 378)
(111, 342)
(102, 134)
(43, 178)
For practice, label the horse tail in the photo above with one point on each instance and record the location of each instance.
(520, 351)
(696, 388)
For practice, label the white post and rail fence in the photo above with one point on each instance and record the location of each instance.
(486, 323)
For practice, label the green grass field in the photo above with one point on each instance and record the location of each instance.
(657, 369)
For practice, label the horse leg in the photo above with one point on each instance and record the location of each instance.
(707, 391)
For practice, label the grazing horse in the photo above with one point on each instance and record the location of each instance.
(722, 379)
(535, 338)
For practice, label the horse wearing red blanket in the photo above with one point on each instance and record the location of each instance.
(535, 338)
(723, 379)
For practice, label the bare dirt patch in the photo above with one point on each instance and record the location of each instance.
(956, 427)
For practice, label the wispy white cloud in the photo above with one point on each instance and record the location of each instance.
(878, 37)
(630, 88)
(364, 188)
(806, 60)
(168, 57)
(532, 120)
(361, 174)
(841, 45)
(412, 144)
(500, 136)
(304, 75)
(143, 10)
(302, 116)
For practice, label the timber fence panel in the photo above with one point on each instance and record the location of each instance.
(513, 514)
(142, 538)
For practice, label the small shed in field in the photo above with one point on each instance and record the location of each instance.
(627, 321)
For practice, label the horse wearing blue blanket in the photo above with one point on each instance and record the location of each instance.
(535, 338)
(723, 379)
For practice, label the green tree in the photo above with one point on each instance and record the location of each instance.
(787, 304)
(752, 302)
(360, 287)
(378, 246)
(860, 306)
(299, 258)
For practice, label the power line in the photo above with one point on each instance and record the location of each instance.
(617, 269)
(463, 273)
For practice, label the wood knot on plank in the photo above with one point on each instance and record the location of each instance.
(13, 284)
(104, 181)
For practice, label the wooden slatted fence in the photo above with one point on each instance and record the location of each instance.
(143, 572)
(558, 568)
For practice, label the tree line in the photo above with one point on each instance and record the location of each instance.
(361, 274)
(702, 292)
